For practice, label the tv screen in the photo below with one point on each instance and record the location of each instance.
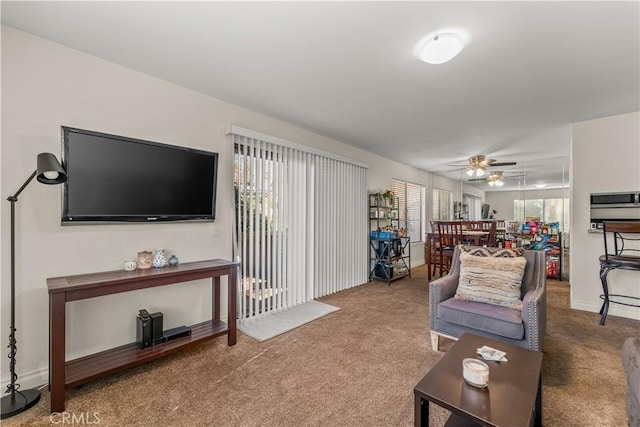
(118, 179)
(485, 211)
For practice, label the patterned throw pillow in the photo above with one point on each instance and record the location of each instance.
(491, 280)
(492, 252)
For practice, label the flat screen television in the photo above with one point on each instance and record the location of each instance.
(113, 179)
(485, 211)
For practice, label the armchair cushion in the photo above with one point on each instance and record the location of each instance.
(502, 321)
(491, 280)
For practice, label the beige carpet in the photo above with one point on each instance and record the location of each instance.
(354, 367)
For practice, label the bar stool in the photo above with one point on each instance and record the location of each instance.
(625, 256)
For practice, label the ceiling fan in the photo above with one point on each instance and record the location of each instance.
(478, 165)
(495, 179)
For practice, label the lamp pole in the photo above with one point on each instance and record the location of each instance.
(49, 171)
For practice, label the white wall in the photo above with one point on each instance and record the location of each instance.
(605, 154)
(455, 187)
(46, 85)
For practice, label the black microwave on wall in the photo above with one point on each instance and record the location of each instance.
(629, 199)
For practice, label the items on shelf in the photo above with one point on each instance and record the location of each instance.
(389, 245)
(388, 234)
(535, 235)
(460, 211)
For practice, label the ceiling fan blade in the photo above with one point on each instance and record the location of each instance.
(502, 164)
(477, 179)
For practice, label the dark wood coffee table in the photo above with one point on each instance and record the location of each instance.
(513, 397)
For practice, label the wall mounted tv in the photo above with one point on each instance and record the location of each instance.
(112, 179)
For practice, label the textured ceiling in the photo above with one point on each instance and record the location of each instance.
(348, 70)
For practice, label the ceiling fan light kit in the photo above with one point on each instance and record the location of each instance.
(495, 179)
(478, 166)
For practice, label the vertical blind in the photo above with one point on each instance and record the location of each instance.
(300, 229)
(341, 226)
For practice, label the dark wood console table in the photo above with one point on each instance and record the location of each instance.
(64, 374)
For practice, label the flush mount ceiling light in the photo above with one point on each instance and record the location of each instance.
(441, 48)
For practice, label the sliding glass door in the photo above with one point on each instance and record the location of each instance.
(300, 225)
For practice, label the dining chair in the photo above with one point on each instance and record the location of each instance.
(501, 228)
(493, 233)
(475, 225)
(449, 235)
(432, 246)
(431, 253)
(491, 227)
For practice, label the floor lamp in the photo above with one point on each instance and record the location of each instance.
(49, 171)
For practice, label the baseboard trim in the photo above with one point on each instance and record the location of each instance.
(614, 309)
(36, 379)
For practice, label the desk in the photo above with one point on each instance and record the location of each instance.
(63, 374)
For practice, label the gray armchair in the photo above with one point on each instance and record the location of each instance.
(631, 363)
(450, 317)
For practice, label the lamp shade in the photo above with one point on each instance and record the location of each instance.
(49, 169)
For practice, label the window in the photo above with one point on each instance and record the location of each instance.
(474, 206)
(411, 207)
(548, 210)
(441, 205)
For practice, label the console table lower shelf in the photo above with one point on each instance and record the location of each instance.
(65, 374)
(89, 368)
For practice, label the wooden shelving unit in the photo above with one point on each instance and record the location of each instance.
(389, 253)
